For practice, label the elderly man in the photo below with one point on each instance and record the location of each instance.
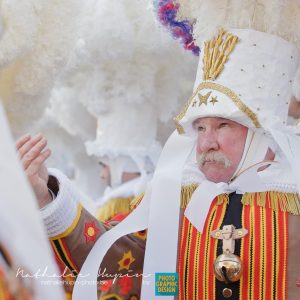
(237, 232)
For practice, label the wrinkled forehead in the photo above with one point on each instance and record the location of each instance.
(216, 121)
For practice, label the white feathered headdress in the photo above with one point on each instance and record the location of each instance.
(36, 41)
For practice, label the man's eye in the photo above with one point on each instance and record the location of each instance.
(223, 125)
(200, 128)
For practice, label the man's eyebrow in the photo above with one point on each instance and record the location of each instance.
(195, 123)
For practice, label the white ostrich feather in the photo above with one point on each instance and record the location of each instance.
(124, 57)
(118, 29)
(280, 17)
(27, 81)
(70, 114)
(123, 61)
(20, 21)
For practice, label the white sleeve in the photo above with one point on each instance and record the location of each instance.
(60, 214)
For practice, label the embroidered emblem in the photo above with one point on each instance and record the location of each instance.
(126, 261)
(141, 234)
(203, 99)
(90, 232)
(216, 53)
(213, 100)
(125, 284)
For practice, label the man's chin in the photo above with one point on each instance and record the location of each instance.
(216, 172)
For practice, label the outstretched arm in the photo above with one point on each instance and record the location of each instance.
(71, 229)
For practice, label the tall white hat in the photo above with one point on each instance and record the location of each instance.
(131, 88)
(126, 139)
(239, 79)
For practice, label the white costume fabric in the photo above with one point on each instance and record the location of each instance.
(21, 228)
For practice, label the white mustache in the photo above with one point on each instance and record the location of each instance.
(213, 156)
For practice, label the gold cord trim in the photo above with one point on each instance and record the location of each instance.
(177, 119)
(222, 89)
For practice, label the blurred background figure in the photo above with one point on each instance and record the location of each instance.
(127, 150)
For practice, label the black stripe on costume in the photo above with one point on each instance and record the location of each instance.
(233, 216)
(63, 257)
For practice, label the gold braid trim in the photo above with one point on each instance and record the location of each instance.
(178, 118)
(278, 201)
(286, 202)
(224, 90)
(188, 190)
(234, 97)
(114, 206)
(186, 194)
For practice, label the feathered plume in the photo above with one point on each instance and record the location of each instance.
(200, 20)
(280, 17)
(182, 29)
(36, 42)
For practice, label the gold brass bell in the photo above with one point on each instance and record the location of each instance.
(228, 267)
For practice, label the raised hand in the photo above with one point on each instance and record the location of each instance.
(33, 154)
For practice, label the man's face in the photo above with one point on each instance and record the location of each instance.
(220, 146)
(105, 175)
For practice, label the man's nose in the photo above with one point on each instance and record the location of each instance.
(207, 142)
